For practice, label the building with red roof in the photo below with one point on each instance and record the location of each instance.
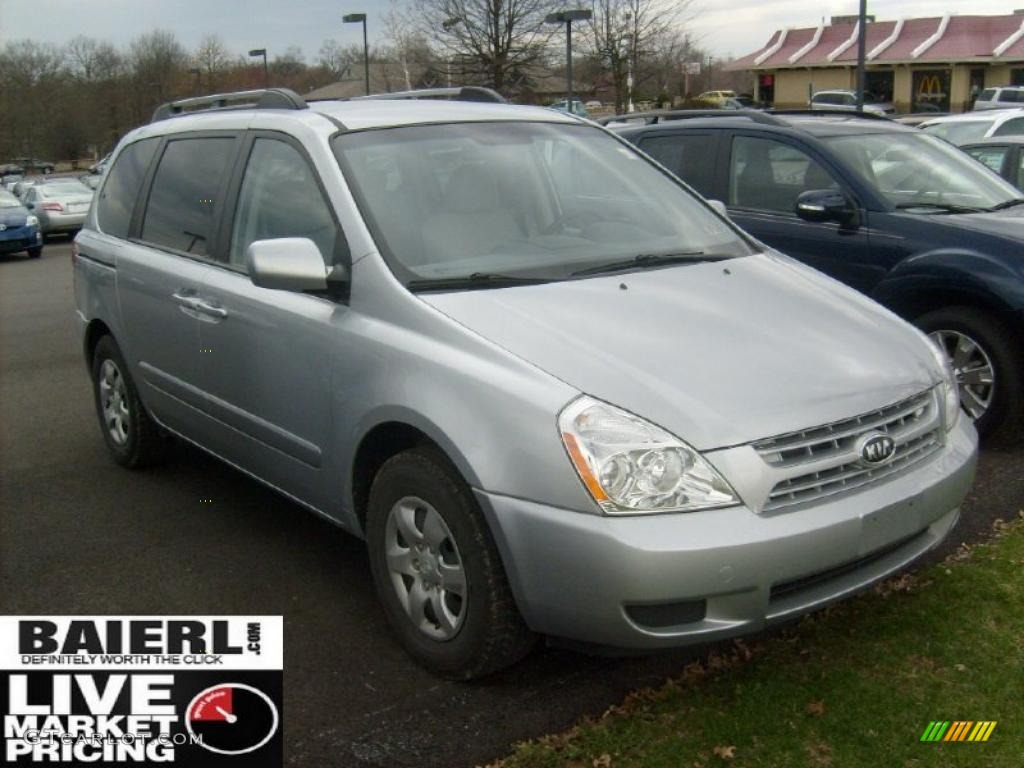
(939, 63)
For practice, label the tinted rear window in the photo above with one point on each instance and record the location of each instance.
(987, 94)
(691, 157)
(181, 212)
(121, 190)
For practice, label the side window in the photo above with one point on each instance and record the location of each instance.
(280, 197)
(181, 213)
(121, 189)
(691, 157)
(1014, 127)
(990, 156)
(986, 95)
(1018, 174)
(768, 175)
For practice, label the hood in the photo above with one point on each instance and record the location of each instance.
(1008, 224)
(719, 353)
(13, 217)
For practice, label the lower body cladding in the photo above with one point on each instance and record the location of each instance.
(657, 581)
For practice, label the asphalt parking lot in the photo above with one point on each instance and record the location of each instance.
(80, 535)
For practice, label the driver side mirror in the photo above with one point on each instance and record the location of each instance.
(291, 264)
(821, 205)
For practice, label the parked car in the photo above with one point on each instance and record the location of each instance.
(971, 126)
(22, 186)
(576, 108)
(716, 97)
(8, 180)
(555, 390)
(898, 214)
(19, 229)
(593, 104)
(1000, 98)
(1002, 154)
(91, 180)
(915, 119)
(846, 101)
(60, 205)
(35, 165)
(100, 165)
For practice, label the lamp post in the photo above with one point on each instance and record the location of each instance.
(862, 39)
(256, 53)
(356, 18)
(567, 18)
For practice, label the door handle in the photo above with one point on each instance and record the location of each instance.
(186, 300)
(209, 309)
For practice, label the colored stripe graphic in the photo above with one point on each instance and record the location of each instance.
(958, 730)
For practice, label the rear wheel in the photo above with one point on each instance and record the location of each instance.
(134, 439)
(989, 366)
(437, 570)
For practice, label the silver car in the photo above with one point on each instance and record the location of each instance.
(60, 205)
(554, 390)
(846, 101)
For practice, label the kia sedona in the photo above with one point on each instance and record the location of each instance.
(553, 389)
(906, 218)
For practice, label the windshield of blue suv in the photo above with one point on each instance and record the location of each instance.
(523, 199)
(913, 170)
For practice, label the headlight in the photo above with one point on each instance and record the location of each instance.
(631, 466)
(31, 221)
(948, 390)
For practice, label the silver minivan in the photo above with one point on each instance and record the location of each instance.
(556, 392)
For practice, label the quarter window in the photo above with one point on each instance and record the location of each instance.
(182, 209)
(121, 189)
(280, 197)
(990, 156)
(768, 175)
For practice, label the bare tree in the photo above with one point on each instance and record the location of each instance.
(497, 38)
(213, 59)
(624, 34)
(404, 40)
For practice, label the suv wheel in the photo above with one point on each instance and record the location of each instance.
(133, 438)
(989, 369)
(437, 570)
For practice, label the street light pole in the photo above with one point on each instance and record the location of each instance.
(255, 52)
(355, 18)
(862, 40)
(567, 18)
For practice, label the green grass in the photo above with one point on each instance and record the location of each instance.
(853, 686)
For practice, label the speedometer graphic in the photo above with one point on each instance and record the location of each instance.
(232, 718)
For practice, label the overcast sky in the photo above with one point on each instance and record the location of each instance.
(726, 27)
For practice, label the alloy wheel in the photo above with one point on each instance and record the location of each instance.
(426, 568)
(975, 374)
(114, 402)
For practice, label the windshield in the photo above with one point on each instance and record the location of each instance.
(914, 169)
(7, 200)
(533, 200)
(959, 131)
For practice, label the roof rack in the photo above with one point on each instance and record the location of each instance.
(265, 98)
(829, 113)
(665, 115)
(456, 93)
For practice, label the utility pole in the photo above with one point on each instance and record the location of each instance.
(862, 40)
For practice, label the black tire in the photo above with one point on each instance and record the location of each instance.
(144, 444)
(35, 253)
(1002, 424)
(492, 634)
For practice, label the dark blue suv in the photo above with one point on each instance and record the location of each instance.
(902, 216)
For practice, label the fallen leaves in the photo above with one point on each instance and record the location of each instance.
(816, 707)
(726, 753)
(819, 754)
(604, 761)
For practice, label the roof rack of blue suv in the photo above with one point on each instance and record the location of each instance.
(265, 98)
(663, 115)
(455, 93)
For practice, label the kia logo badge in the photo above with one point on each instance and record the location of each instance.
(875, 449)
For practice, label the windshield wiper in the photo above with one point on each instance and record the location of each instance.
(644, 260)
(945, 207)
(1008, 204)
(474, 280)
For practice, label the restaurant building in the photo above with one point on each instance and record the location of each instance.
(935, 64)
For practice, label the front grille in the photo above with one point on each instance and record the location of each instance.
(822, 462)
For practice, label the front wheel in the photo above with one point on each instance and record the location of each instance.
(989, 367)
(35, 253)
(437, 570)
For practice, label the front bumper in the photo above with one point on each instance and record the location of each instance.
(20, 239)
(581, 576)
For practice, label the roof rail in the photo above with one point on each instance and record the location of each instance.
(665, 115)
(829, 113)
(265, 98)
(456, 93)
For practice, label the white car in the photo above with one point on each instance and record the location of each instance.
(971, 126)
(846, 101)
(1007, 96)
